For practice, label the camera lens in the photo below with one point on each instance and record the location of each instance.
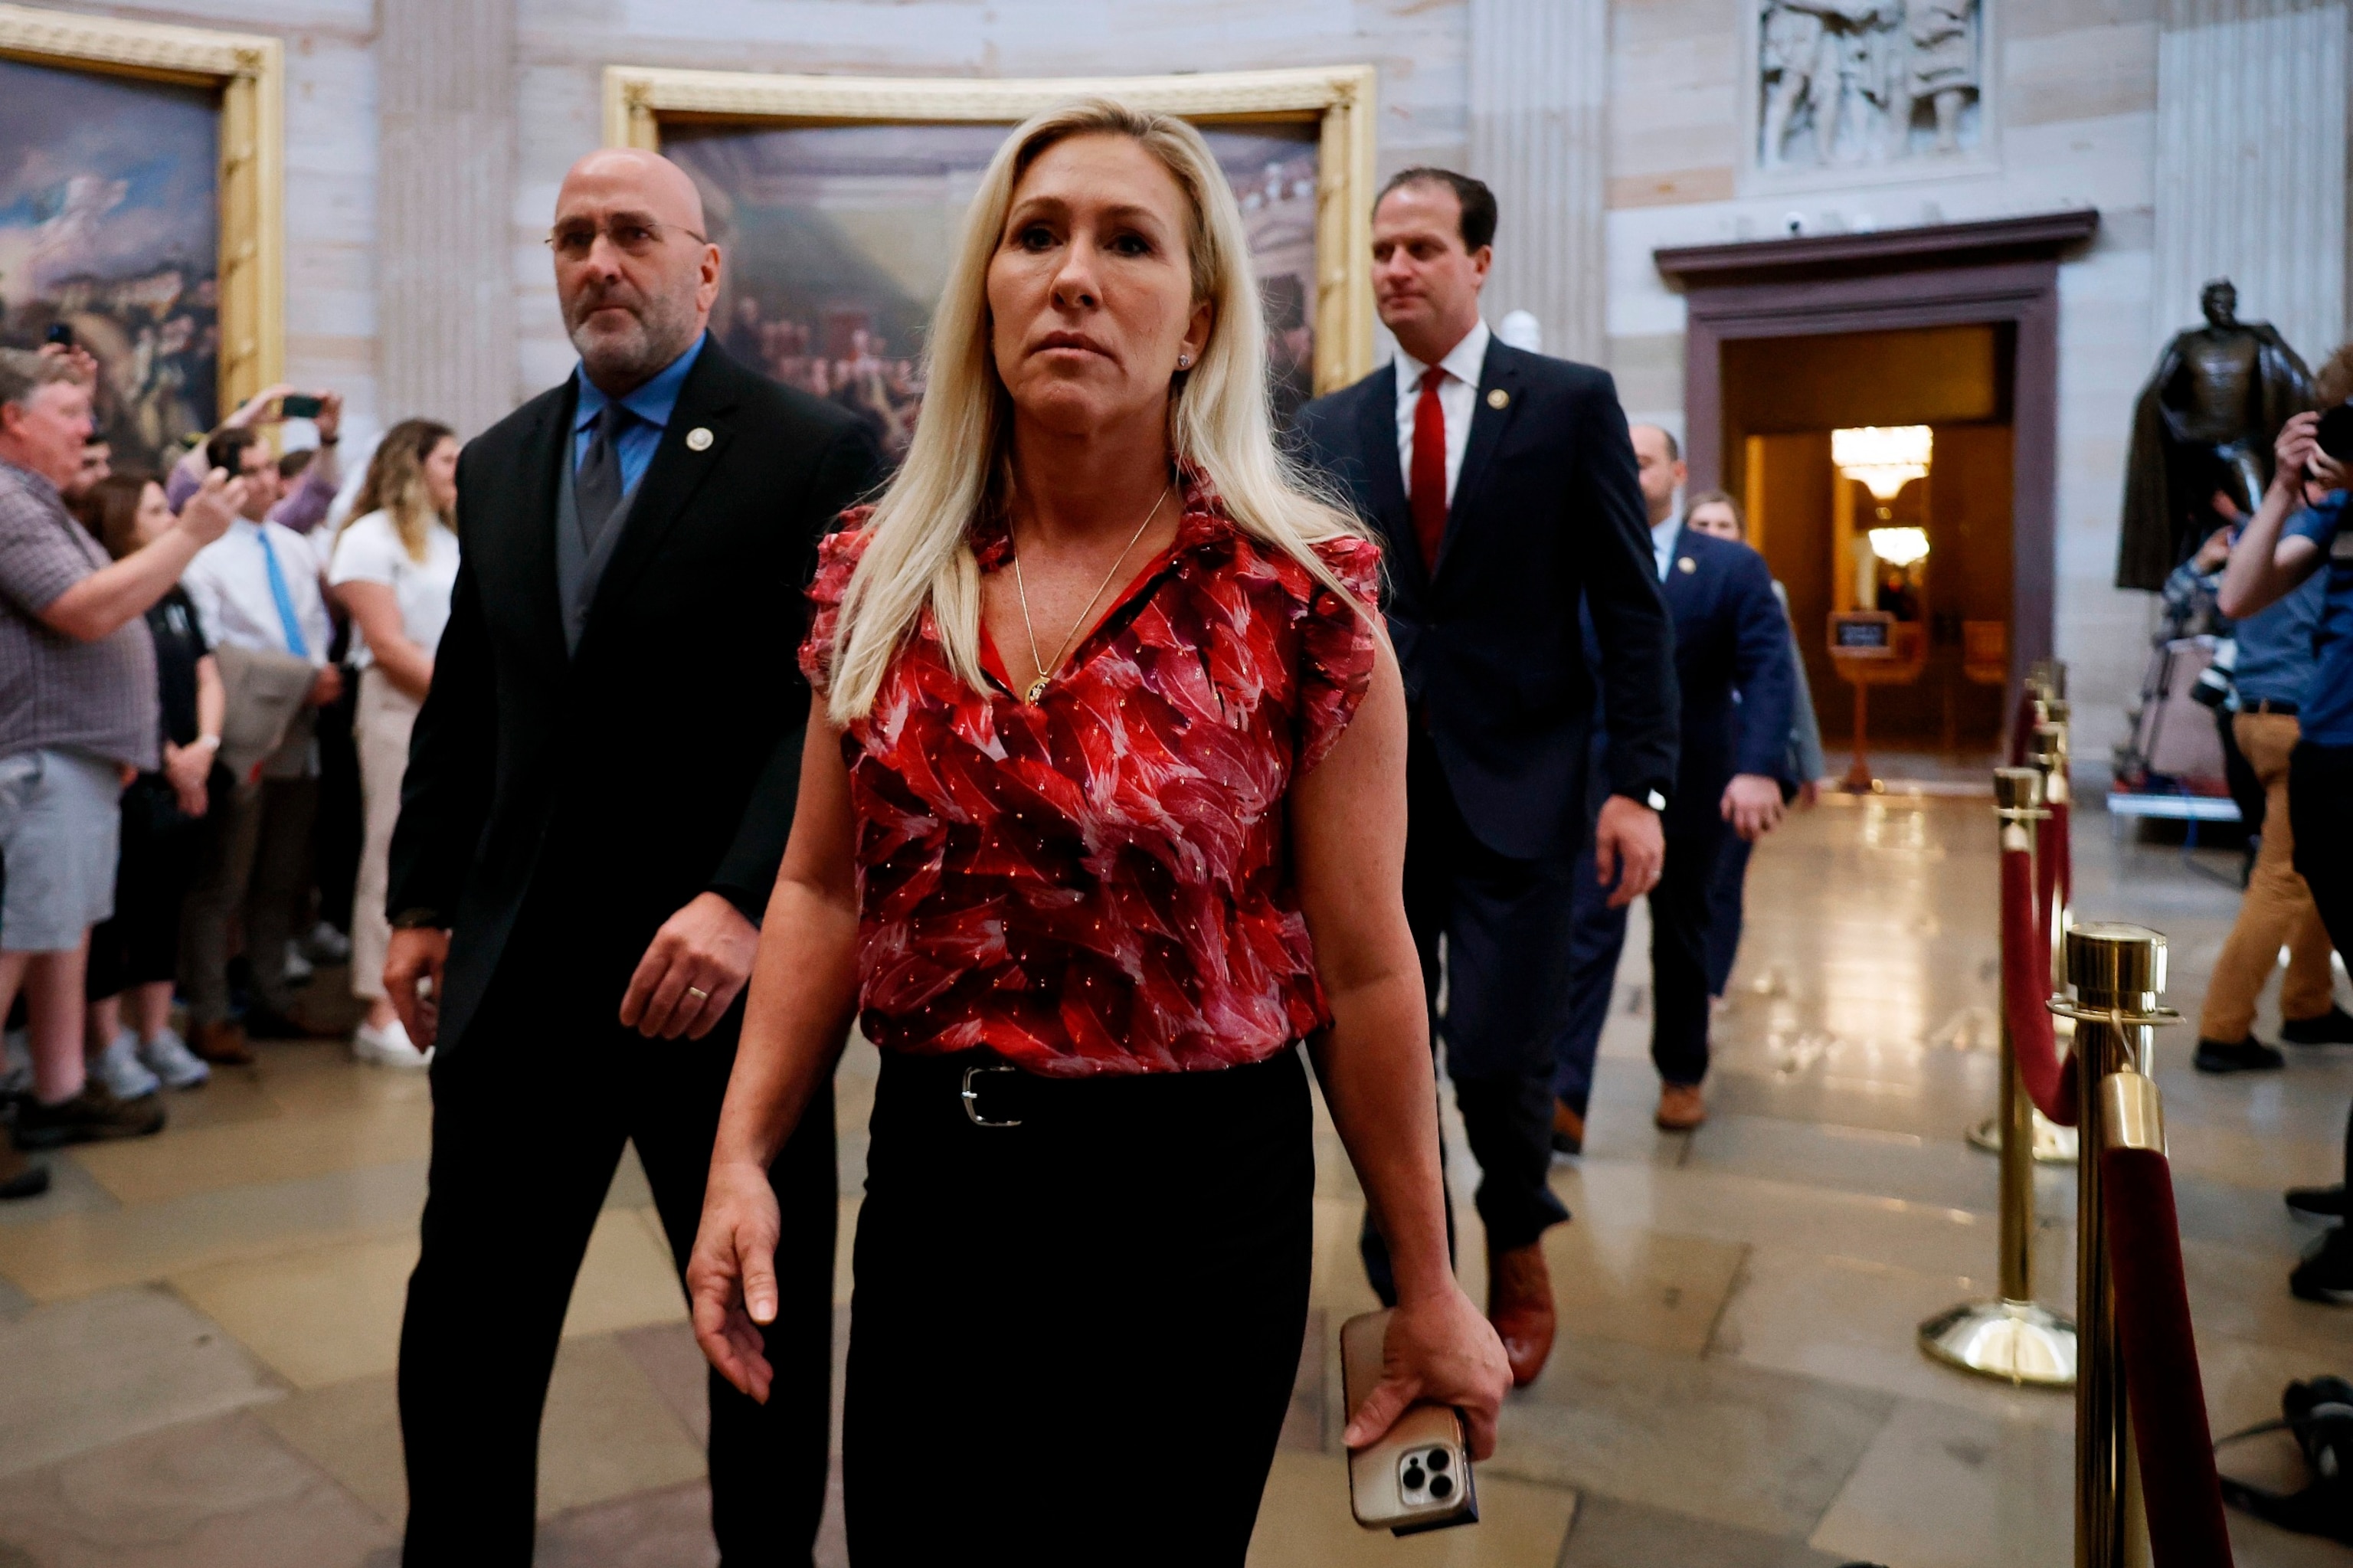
(1441, 1486)
(2336, 432)
(1438, 1459)
(1413, 1478)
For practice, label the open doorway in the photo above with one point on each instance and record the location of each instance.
(1782, 399)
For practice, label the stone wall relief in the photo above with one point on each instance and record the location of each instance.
(1852, 84)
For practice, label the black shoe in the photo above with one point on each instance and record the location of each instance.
(93, 1116)
(2320, 1203)
(2334, 1027)
(1567, 1129)
(2326, 1275)
(20, 1177)
(2248, 1055)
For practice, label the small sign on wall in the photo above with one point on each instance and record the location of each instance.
(1862, 634)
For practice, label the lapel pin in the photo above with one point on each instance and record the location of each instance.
(698, 440)
(1686, 564)
(1499, 398)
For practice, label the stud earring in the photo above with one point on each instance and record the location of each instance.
(1184, 362)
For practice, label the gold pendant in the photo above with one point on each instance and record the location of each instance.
(1036, 689)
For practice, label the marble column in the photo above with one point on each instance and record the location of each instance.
(445, 183)
(1539, 88)
(2251, 164)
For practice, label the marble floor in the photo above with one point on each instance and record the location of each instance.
(197, 1331)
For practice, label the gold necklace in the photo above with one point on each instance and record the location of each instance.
(1038, 687)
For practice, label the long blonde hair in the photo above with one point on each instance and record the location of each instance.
(396, 485)
(919, 555)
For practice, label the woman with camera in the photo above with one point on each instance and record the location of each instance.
(2286, 543)
(1102, 813)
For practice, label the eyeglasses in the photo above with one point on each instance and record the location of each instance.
(629, 235)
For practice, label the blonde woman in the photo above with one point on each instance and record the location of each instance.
(1101, 814)
(395, 563)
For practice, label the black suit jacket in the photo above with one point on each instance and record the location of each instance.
(661, 759)
(1730, 635)
(1547, 510)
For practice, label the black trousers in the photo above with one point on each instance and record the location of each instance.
(1492, 934)
(141, 942)
(529, 1116)
(2320, 813)
(1680, 919)
(1074, 1341)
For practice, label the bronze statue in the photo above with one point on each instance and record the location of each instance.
(2205, 423)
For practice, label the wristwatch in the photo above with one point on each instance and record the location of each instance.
(209, 742)
(418, 920)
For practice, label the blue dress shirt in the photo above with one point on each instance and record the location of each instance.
(652, 403)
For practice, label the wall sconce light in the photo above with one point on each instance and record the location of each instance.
(1884, 457)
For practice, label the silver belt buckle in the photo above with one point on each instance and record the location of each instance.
(971, 1097)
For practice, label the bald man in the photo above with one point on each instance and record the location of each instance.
(598, 793)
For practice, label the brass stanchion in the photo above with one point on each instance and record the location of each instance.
(2011, 1336)
(2118, 975)
(2046, 754)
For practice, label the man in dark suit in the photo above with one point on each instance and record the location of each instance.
(1734, 671)
(598, 794)
(1503, 489)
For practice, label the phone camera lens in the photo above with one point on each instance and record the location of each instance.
(1441, 1486)
(1438, 1460)
(1414, 1479)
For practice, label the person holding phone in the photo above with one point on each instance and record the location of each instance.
(2286, 542)
(303, 504)
(1102, 815)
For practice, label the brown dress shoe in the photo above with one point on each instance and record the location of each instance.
(222, 1044)
(93, 1116)
(1679, 1108)
(1519, 1303)
(1567, 1129)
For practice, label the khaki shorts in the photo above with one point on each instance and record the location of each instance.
(60, 835)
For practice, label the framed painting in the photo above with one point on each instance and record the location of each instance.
(141, 192)
(838, 199)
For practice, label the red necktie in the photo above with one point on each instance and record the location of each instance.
(1429, 472)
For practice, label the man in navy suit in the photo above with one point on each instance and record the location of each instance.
(1733, 670)
(1505, 491)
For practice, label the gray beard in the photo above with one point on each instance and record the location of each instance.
(621, 365)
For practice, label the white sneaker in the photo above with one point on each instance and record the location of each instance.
(325, 944)
(119, 1068)
(298, 971)
(388, 1047)
(168, 1054)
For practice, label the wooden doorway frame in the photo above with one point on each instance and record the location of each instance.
(1998, 270)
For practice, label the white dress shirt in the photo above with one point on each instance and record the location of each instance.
(230, 582)
(1457, 399)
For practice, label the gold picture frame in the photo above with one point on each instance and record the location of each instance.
(1339, 100)
(248, 71)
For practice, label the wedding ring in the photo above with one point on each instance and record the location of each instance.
(697, 992)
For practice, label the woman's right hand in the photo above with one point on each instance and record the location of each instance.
(730, 1277)
(1440, 1349)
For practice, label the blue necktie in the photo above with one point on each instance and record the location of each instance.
(296, 643)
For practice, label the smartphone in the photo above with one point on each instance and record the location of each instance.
(299, 406)
(1417, 1476)
(60, 332)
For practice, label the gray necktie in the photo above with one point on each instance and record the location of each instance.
(597, 488)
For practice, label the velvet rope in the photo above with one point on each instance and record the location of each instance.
(2183, 1495)
(2026, 992)
(2021, 725)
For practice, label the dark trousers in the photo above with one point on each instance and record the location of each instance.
(1074, 1341)
(140, 944)
(530, 1112)
(255, 861)
(2320, 814)
(1726, 899)
(1492, 934)
(1679, 955)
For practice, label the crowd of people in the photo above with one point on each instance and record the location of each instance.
(176, 691)
(1125, 754)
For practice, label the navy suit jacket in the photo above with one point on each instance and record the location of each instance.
(1730, 635)
(1546, 512)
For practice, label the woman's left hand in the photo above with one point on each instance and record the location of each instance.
(1440, 1349)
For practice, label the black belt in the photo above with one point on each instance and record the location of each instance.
(2265, 705)
(993, 1092)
